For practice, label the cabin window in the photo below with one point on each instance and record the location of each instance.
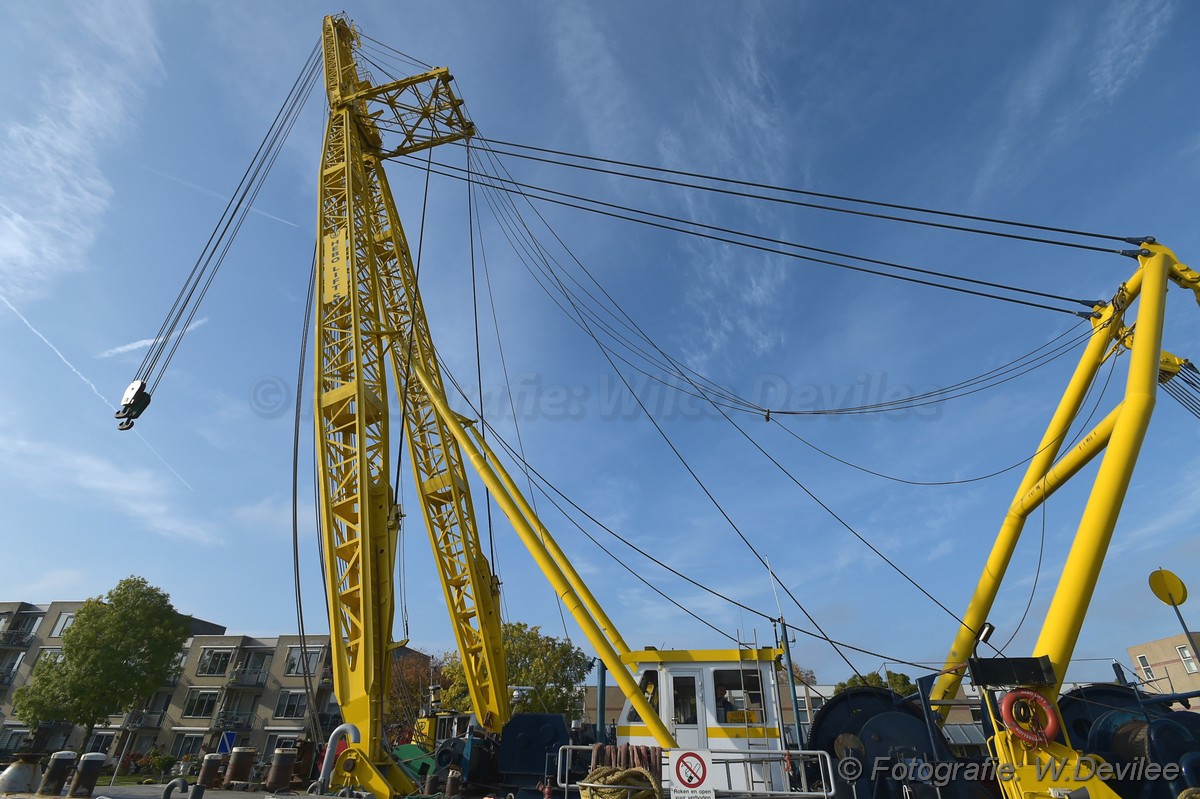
(683, 695)
(738, 696)
(649, 686)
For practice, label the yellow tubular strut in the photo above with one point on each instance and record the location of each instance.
(540, 545)
(1120, 437)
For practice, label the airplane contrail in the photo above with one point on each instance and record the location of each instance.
(90, 384)
(211, 193)
(141, 344)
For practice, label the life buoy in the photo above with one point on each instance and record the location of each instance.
(1033, 736)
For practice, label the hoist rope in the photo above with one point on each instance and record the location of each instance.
(173, 328)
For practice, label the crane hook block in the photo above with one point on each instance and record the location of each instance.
(135, 400)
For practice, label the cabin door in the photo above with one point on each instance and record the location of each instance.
(685, 704)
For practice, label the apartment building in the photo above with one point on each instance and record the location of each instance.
(1166, 666)
(233, 690)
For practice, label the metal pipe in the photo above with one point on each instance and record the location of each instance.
(1064, 618)
(348, 730)
(178, 782)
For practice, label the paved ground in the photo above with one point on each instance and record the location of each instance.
(150, 792)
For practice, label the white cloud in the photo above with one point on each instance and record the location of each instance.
(137, 493)
(53, 194)
(592, 74)
(1045, 105)
(1125, 41)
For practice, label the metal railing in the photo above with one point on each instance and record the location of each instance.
(234, 720)
(247, 678)
(7, 676)
(736, 772)
(17, 638)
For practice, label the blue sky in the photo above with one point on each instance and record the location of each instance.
(124, 125)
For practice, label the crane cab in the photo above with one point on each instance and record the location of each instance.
(723, 701)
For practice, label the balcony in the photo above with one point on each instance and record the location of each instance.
(233, 720)
(144, 720)
(16, 639)
(247, 678)
(7, 676)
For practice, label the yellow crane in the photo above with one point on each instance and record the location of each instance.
(369, 319)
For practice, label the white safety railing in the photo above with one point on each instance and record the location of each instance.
(800, 773)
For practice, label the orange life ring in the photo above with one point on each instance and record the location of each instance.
(1029, 736)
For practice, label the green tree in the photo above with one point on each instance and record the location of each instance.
(117, 652)
(552, 669)
(899, 682)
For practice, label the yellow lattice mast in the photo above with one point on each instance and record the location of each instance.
(369, 317)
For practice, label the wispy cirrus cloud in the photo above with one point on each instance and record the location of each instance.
(1075, 71)
(135, 492)
(53, 193)
(143, 343)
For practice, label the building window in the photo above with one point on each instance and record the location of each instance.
(1189, 662)
(186, 744)
(47, 653)
(277, 740)
(101, 741)
(214, 662)
(1144, 664)
(291, 705)
(301, 662)
(25, 622)
(200, 704)
(65, 620)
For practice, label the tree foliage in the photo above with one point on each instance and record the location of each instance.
(119, 649)
(551, 669)
(411, 678)
(803, 675)
(899, 682)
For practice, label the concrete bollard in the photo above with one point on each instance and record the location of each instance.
(56, 773)
(86, 774)
(210, 770)
(241, 763)
(280, 775)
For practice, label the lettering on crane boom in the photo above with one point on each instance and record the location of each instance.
(335, 266)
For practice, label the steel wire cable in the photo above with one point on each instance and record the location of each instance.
(775, 250)
(903, 480)
(696, 477)
(752, 407)
(822, 504)
(1136, 240)
(613, 308)
(183, 309)
(620, 315)
(545, 486)
(770, 240)
(540, 257)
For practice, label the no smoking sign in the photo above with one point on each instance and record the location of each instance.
(690, 770)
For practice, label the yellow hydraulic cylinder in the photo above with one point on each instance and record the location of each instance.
(552, 549)
(529, 537)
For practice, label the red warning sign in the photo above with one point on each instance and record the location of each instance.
(690, 770)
